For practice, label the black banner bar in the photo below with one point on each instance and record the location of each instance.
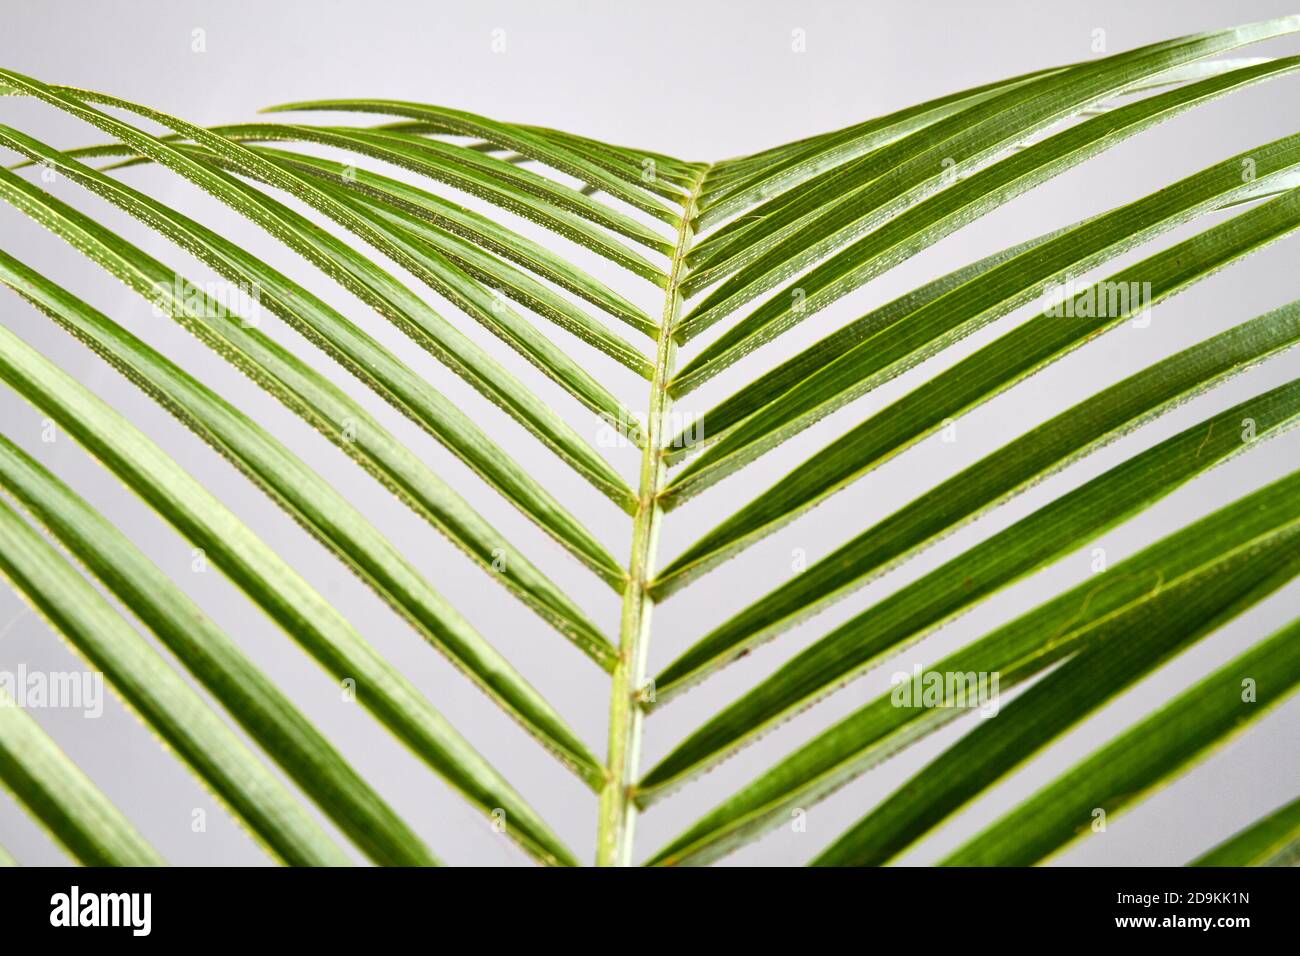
(336, 906)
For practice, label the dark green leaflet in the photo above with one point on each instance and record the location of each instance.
(159, 695)
(1212, 568)
(215, 660)
(258, 571)
(326, 407)
(984, 374)
(518, 138)
(1143, 757)
(324, 512)
(916, 610)
(65, 800)
(950, 209)
(1271, 841)
(344, 341)
(360, 276)
(925, 162)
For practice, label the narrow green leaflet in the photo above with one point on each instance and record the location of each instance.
(492, 311)
(949, 210)
(323, 405)
(663, 175)
(338, 260)
(269, 717)
(472, 171)
(341, 339)
(732, 236)
(1206, 571)
(1033, 720)
(985, 374)
(445, 276)
(1017, 465)
(518, 138)
(1272, 841)
(786, 409)
(526, 203)
(718, 422)
(68, 804)
(914, 611)
(475, 228)
(791, 165)
(161, 697)
(1128, 768)
(824, 152)
(731, 174)
(508, 280)
(873, 189)
(821, 381)
(256, 569)
(814, 154)
(465, 223)
(492, 235)
(314, 504)
(820, 216)
(984, 485)
(414, 233)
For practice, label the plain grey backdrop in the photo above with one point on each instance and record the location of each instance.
(700, 81)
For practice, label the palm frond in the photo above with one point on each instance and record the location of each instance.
(159, 695)
(1127, 768)
(63, 798)
(1176, 590)
(253, 566)
(1035, 541)
(731, 255)
(1272, 841)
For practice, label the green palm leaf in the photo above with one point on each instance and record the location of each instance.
(875, 189)
(63, 798)
(980, 377)
(308, 393)
(470, 170)
(882, 353)
(313, 503)
(1035, 541)
(339, 261)
(523, 230)
(1272, 841)
(1057, 702)
(1027, 460)
(1142, 758)
(247, 694)
(159, 695)
(1176, 588)
(266, 579)
(343, 340)
(453, 219)
(523, 141)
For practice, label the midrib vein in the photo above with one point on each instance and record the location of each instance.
(617, 810)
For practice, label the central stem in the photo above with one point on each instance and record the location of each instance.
(617, 808)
